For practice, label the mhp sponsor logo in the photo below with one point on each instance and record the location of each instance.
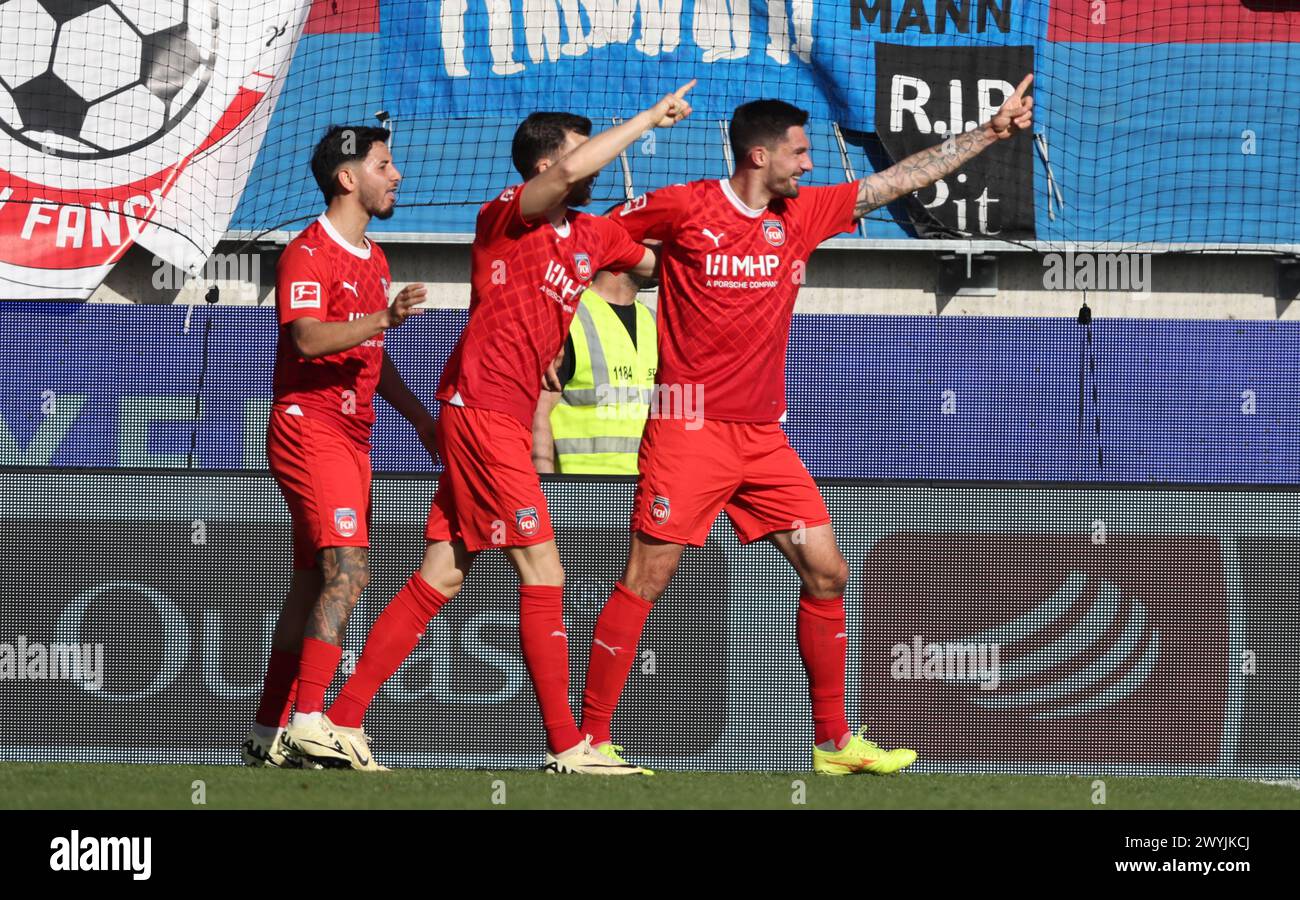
(1104, 650)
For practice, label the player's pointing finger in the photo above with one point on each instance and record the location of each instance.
(681, 91)
(1023, 86)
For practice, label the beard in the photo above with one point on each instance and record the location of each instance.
(786, 188)
(580, 195)
(379, 208)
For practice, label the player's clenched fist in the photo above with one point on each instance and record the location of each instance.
(1016, 115)
(673, 107)
(406, 303)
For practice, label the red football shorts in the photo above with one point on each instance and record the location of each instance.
(325, 479)
(750, 470)
(489, 495)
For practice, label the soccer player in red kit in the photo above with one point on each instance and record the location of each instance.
(332, 286)
(732, 260)
(532, 257)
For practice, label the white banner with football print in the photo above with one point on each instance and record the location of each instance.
(131, 121)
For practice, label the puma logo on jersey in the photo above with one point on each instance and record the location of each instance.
(351, 288)
(713, 237)
(311, 251)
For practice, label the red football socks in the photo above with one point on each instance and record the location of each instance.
(823, 647)
(545, 646)
(278, 690)
(392, 638)
(315, 672)
(613, 651)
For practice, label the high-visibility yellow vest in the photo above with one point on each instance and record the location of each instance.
(598, 422)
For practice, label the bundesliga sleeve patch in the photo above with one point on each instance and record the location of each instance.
(304, 295)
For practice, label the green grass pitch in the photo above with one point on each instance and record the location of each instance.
(87, 786)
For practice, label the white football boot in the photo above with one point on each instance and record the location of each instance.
(357, 743)
(314, 739)
(585, 759)
(263, 751)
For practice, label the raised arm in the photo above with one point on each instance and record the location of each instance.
(549, 188)
(920, 170)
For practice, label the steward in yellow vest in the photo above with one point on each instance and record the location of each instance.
(594, 425)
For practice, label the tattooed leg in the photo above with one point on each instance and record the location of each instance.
(346, 573)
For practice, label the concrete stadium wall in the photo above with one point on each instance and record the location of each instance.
(840, 280)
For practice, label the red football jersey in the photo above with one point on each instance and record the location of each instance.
(322, 276)
(525, 282)
(729, 277)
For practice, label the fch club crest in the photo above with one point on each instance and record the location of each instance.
(774, 232)
(345, 521)
(526, 521)
(660, 510)
(582, 265)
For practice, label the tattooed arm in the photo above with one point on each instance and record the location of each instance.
(920, 170)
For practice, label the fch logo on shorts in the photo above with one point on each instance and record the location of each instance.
(660, 509)
(526, 521)
(345, 521)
